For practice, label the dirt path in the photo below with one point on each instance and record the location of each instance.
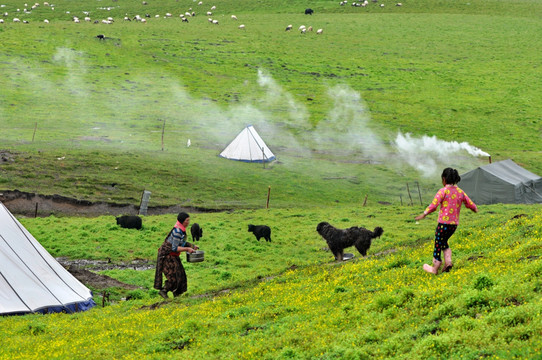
(30, 204)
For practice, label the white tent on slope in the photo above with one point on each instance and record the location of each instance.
(248, 146)
(31, 280)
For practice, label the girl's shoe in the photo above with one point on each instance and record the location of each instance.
(447, 260)
(433, 269)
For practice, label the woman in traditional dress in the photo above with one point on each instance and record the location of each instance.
(169, 262)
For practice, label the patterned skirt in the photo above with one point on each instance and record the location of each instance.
(173, 269)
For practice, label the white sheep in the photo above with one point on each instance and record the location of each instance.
(87, 18)
(16, 20)
(143, 21)
(210, 20)
(200, 3)
(310, 28)
(110, 19)
(77, 21)
(303, 30)
(289, 27)
(242, 27)
(319, 31)
(168, 15)
(301, 27)
(1, 21)
(215, 22)
(187, 14)
(209, 13)
(46, 21)
(381, 5)
(234, 17)
(213, 7)
(399, 4)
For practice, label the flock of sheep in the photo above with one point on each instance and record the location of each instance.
(184, 16)
(365, 3)
(110, 20)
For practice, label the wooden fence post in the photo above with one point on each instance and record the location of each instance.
(410, 197)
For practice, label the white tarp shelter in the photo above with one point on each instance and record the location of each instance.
(502, 182)
(31, 280)
(248, 146)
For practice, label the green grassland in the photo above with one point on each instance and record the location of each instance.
(458, 72)
(289, 299)
(79, 114)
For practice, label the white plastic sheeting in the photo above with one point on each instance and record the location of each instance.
(31, 279)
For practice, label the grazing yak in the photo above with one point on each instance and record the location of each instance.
(196, 232)
(260, 231)
(129, 222)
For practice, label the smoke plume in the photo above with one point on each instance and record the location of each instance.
(427, 153)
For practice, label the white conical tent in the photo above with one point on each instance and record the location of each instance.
(248, 146)
(31, 280)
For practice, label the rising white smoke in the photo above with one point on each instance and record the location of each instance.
(346, 127)
(296, 113)
(427, 153)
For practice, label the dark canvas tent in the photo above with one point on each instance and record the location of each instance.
(31, 280)
(502, 182)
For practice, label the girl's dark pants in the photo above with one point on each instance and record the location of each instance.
(442, 234)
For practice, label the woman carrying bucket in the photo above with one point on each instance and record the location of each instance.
(168, 261)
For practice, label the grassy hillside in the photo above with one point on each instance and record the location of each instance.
(382, 306)
(329, 106)
(84, 118)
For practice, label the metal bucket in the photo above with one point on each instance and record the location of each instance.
(196, 256)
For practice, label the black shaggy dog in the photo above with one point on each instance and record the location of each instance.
(309, 11)
(340, 239)
(129, 222)
(196, 232)
(260, 231)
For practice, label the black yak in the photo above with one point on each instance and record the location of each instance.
(196, 232)
(129, 222)
(260, 231)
